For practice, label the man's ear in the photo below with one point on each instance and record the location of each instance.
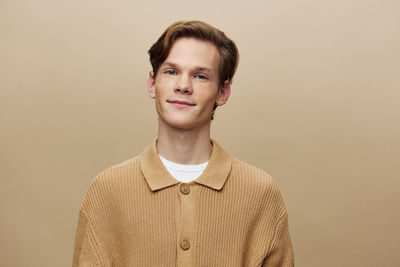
(223, 94)
(151, 85)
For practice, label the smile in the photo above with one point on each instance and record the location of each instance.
(180, 104)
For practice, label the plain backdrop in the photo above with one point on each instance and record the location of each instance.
(315, 103)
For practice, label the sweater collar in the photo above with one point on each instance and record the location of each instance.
(158, 177)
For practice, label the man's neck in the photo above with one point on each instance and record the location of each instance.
(184, 146)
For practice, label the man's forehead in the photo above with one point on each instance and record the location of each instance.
(194, 53)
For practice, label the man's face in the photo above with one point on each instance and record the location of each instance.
(186, 86)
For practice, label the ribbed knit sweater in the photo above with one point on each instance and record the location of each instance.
(136, 214)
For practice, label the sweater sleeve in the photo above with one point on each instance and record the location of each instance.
(87, 251)
(281, 254)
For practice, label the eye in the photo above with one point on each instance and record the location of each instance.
(170, 72)
(201, 77)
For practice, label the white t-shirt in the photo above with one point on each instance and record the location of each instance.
(184, 173)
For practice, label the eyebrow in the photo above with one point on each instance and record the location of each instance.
(173, 65)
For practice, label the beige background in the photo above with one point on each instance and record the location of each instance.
(314, 103)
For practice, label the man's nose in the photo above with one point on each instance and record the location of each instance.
(183, 85)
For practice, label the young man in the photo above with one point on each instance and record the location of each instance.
(185, 201)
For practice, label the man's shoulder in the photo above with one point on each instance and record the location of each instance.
(128, 163)
(259, 184)
(117, 172)
(248, 169)
(115, 178)
(253, 176)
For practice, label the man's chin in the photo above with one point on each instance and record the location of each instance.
(184, 125)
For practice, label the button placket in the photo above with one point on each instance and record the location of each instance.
(187, 224)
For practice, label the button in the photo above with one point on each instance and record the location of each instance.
(185, 245)
(184, 189)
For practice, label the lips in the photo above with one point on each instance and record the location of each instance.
(181, 103)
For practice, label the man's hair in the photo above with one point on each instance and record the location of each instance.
(228, 52)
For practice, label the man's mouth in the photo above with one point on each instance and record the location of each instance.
(180, 103)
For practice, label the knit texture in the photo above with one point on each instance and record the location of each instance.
(136, 214)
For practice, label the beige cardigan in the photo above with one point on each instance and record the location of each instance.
(136, 214)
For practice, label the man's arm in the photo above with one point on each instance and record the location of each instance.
(281, 254)
(87, 252)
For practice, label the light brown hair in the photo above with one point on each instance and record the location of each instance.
(229, 54)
